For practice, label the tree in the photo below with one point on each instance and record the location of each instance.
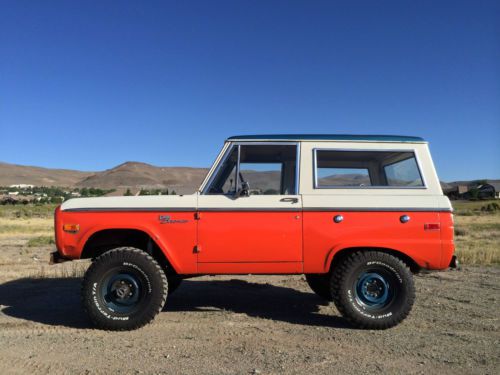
(474, 194)
(128, 193)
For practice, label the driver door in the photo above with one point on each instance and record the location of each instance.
(250, 214)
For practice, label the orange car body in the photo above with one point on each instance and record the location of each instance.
(306, 243)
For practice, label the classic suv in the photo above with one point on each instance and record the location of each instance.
(355, 214)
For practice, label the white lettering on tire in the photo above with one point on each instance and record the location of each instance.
(100, 309)
(142, 272)
(387, 266)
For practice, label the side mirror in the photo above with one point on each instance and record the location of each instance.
(244, 190)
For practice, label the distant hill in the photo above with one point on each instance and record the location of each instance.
(132, 175)
(345, 180)
(11, 174)
(142, 175)
(136, 175)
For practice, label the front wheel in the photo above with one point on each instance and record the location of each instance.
(372, 289)
(124, 289)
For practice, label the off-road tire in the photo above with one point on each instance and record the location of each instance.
(349, 278)
(320, 284)
(148, 286)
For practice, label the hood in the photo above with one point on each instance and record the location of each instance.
(140, 203)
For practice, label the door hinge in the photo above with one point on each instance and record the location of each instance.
(197, 216)
(196, 249)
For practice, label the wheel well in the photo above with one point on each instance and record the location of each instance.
(414, 267)
(105, 240)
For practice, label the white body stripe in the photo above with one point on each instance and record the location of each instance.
(144, 202)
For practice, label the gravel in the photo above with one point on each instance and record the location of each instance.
(247, 325)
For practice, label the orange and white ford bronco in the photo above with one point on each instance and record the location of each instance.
(356, 214)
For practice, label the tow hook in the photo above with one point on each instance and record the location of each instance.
(454, 263)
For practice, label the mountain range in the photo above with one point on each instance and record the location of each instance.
(133, 175)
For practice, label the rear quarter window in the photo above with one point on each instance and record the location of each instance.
(403, 173)
(366, 169)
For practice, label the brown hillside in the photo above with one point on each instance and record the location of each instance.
(142, 175)
(13, 174)
(135, 175)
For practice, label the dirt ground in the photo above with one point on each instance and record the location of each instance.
(242, 325)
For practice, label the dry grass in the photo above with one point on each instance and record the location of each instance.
(44, 211)
(477, 238)
(41, 241)
(12, 227)
(26, 221)
(471, 208)
(65, 270)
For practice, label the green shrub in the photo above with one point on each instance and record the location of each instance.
(460, 232)
(490, 207)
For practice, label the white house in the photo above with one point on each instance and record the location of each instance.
(22, 186)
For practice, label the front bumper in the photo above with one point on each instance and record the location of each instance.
(454, 263)
(55, 257)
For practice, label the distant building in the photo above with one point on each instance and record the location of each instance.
(489, 191)
(456, 192)
(22, 186)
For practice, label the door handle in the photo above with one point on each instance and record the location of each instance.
(292, 200)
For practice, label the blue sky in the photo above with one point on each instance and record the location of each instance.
(90, 84)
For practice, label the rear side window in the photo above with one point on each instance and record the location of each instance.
(365, 169)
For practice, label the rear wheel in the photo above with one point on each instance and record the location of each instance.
(320, 284)
(373, 289)
(124, 289)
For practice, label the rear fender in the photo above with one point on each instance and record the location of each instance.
(414, 263)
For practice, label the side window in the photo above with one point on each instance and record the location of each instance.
(338, 168)
(268, 169)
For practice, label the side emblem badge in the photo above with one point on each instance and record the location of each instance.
(166, 219)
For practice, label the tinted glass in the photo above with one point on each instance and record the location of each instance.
(263, 178)
(343, 177)
(267, 169)
(403, 173)
(224, 181)
(366, 169)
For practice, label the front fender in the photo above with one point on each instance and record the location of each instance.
(176, 241)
